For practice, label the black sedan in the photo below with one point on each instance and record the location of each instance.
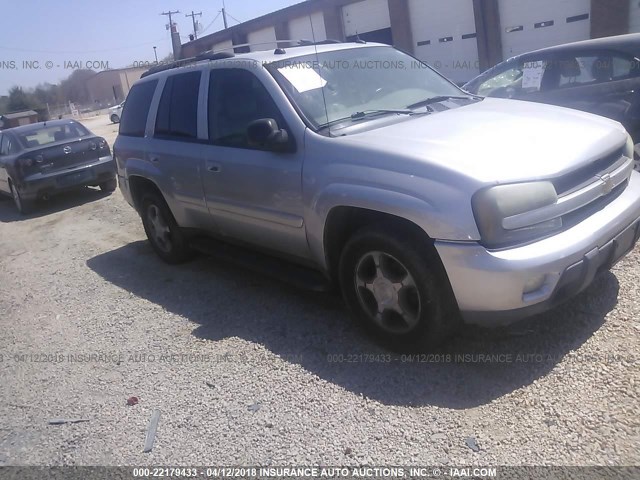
(42, 159)
(600, 76)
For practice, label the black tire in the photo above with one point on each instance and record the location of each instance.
(429, 315)
(171, 246)
(109, 186)
(115, 118)
(23, 206)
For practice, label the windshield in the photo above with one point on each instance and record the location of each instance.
(358, 80)
(44, 135)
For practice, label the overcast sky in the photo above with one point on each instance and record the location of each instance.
(62, 35)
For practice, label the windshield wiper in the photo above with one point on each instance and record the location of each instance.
(441, 98)
(370, 113)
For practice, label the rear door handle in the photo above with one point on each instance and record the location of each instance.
(214, 167)
(154, 158)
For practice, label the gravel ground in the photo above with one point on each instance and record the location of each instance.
(246, 370)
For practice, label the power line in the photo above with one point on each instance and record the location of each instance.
(234, 17)
(212, 22)
(79, 52)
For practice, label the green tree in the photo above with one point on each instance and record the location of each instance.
(19, 100)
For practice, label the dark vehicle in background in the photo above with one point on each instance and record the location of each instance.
(599, 76)
(42, 159)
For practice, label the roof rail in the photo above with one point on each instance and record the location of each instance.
(306, 43)
(278, 42)
(186, 61)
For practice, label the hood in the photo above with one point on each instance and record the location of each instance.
(498, 141)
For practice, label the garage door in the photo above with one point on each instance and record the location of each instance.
(444, 32)
(369, 20)
(264, 39)
(300, 28)
(223, 46)
(634, 16)
(527, 27)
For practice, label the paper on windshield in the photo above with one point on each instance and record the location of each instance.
(532, 76)
(303, 79)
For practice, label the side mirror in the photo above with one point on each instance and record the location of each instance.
(265, 133)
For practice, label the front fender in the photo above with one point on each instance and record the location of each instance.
(432, 218)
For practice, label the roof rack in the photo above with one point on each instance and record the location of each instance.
(307, 43)
(228, 53)
(186, 61)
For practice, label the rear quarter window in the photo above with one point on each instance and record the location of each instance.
(136, 110)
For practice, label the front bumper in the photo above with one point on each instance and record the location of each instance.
(499, 287)
(42, 184)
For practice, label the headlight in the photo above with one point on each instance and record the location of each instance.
(629, 148)
(493, 205)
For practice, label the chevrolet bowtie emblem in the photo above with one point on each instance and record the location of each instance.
(607, 184)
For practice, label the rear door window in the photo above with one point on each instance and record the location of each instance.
(134, 117)
(178, 110)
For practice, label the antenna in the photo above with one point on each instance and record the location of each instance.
(315, 46)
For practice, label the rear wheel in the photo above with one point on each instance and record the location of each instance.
(163, 232)
(23, 206)
(115, 118)
(109, 186)
(398, 290)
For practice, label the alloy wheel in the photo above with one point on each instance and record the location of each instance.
(159, 229)
(387, 292)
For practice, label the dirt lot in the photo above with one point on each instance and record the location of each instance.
(245, 370)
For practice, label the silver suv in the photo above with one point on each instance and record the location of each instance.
(429, 207)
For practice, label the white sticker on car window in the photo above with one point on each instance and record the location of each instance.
(303, 79)
(532, 75)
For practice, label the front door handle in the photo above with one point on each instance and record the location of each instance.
(154, 158)
(214, 167)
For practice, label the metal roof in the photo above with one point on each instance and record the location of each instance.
(14, 115)
(629, 44)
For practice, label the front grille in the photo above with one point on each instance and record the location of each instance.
(573, 218)
(584, 175)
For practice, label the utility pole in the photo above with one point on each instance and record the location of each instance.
(175, 36)
(224, 15)
(169, 13)
(193, 19)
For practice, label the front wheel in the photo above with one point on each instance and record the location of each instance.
(163, 232)
(23, 206)
(398, 289)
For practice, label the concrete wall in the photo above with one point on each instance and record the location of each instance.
(112, 86)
